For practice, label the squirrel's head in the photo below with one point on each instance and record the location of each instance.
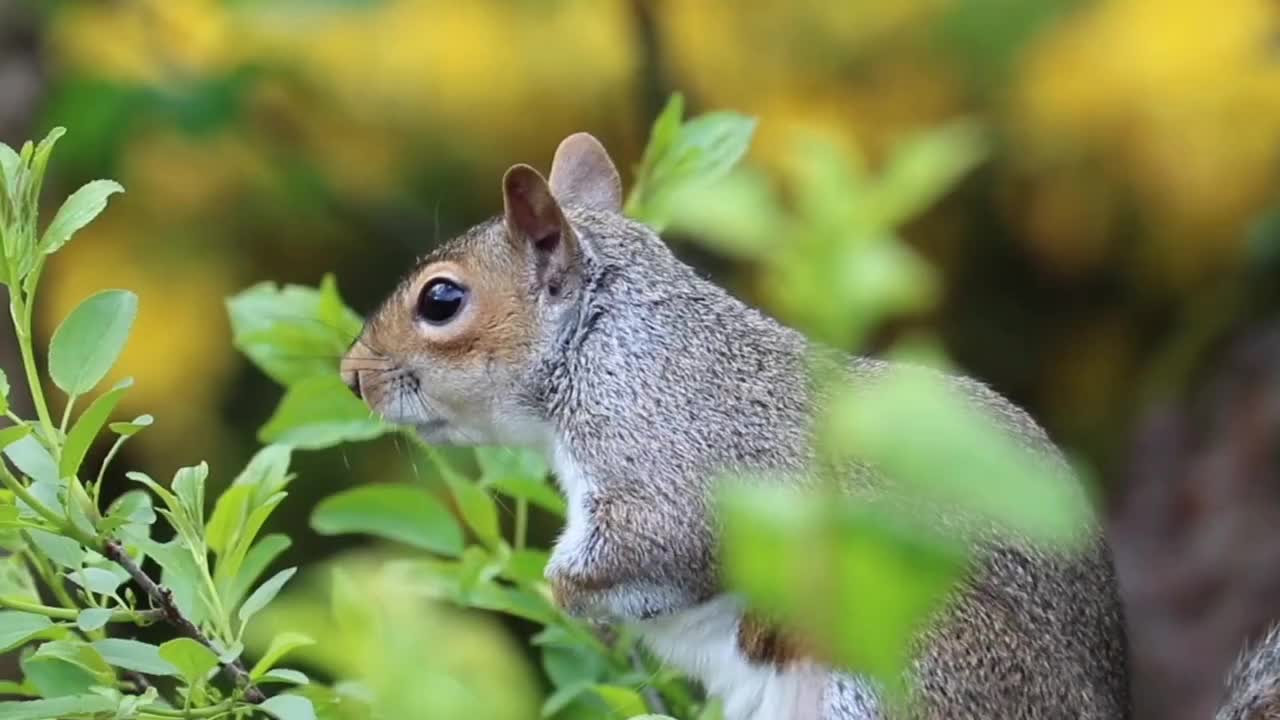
(450, 351)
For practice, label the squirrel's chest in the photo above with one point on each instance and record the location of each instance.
(703, 642)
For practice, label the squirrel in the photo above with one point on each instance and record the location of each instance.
(564, 326)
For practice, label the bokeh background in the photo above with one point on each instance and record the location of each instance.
(1113, 265)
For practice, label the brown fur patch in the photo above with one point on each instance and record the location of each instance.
(768, 643)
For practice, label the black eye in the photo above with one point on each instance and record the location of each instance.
(441, 300)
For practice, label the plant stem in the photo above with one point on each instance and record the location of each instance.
(49, 577)
(102, 469)
(140, 617)
(212, 711)
(522, 522)
(22, 311)
(60, 524)
(162, 598)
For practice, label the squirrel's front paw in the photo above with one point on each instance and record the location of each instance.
(576, 593)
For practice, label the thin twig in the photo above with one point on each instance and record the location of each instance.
(162, 598)
(651, 695)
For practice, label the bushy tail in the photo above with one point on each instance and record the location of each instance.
(1253, 687)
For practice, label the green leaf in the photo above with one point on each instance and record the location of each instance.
(4, 393)
(87, 427)
(293, 332)
(255, 563)
(79, 210)
(284, 675)
(28, 454)
(131, 428)
(18, 627)
(90, 339)
(98, 580)
(62, 550)
(396, 512)
(281, 645)
(188, 485)
(924, 168)
(192, 660)
(134, 507)
(477, 509)
(133, 655)
(622, 702)
(239, 514)
(64, 667)
(700, 152)
(62, 707)
(9, 166)
(321, 412)
(289, 707)
(265, 594)
(91, 619)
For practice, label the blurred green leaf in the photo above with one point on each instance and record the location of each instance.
(87, 427)
(293, 332)
(64, 667)
(62, 707)
(188, 485)
(62, 550)
(679, 157)
(924, 168)
(192, 660)
(77, 211)
(284, 675)
(289, 707)
(396, 512)
(942, 447)
(4, 393)
(134, 655)
(18, 627)
(133, 427)
(281, 645)
(321, 412)
(854, 579)
(87, 343)
(98, 580)
(622, 702)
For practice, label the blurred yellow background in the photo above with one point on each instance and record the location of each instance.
(1123, 227)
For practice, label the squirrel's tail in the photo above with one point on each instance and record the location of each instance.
(1253, 687)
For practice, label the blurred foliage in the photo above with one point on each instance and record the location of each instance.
(1129, 145)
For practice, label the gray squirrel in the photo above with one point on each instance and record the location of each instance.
(563, 326)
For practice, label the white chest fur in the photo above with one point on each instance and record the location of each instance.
(703, 641)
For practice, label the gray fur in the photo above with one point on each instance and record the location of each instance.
(656, 382)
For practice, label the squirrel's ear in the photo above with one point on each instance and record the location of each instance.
(534, 221)
(582, 174)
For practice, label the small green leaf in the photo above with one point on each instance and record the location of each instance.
(193, 660)
(87, 427)
(622, 702)
(90, 339)
(4, 393)
(396, 512)
(284, 675)
(60, 707)
(289, 707)
(65, 667)
(18, 627)
(91, 619)
(131, 428)
(293, 332)
(79, 210)
(477, 509)
(321, 412)
(98, 580)
(188, 485)
(28, 454)
(281, 645)
(133, 655)
(255, 563)
(264, 594)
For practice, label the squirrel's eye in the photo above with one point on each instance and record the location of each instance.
(440, 301)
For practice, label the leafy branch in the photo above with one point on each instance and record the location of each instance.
(52, 521)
